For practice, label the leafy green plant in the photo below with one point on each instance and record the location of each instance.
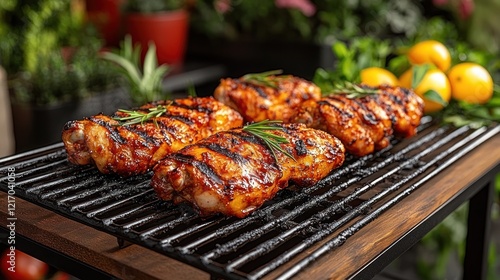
(36, 36)
(56, 79)
(351, 58)
(145, 84)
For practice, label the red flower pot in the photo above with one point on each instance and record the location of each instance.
(106, 16)
(168, 30)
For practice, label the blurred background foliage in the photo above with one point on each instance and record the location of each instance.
(50, 52)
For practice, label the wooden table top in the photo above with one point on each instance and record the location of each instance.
(100, 250)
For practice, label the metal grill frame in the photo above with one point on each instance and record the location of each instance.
(355, 217)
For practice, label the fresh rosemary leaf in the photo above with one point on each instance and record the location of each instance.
(436, 97)
(352, 90)
(262, 79)
(272, 141)
(140, 117)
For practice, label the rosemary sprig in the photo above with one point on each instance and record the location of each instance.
(262, 79)
(272, 141)
(352, 90)
(136, 117)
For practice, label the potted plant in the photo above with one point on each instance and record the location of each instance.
(164, 22)
(145, 84)
(53, 69)
(107, 17)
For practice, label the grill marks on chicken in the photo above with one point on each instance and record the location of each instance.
(365, 124)
(134, 149)
(234, 172)
(258, 102)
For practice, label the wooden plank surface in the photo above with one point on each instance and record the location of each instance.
(100, 250)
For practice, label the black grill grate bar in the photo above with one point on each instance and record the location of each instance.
(132, 211)
(119, 203)
(113, 193)
(193, 229)
(270, 244)
(338, 240)
(36, 189)
(39, 169)
(45, 177)
(82, 194)
(230, 246)
(28, 162)
(170, 225)
(47, 194)
(237, 225)
(149, 217)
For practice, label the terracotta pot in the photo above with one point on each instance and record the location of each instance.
(106, 16)
(168, 30)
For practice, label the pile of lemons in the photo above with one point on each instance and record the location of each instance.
(464, 81)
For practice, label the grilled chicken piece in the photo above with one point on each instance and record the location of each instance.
(364, 124)
(234, 172)
(275, 99)
(133, 149)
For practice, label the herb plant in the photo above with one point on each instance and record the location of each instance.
(145, 84)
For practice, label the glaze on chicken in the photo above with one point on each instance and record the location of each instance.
(276, 99)
(133, 149)
(234, 172)
(365, 124)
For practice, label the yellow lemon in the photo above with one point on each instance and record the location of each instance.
(470, 82)
(434, 79)
(375, 76)
(432, 52)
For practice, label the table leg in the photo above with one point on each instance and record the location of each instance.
(478, 233)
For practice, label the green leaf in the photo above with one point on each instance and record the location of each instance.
(340, 49)
(191, 90)
(146, 85)
(494, 102)
(130, 68)
(495, 114)
(398, 65)
(436, 97)
(150, 62)
(418, 73)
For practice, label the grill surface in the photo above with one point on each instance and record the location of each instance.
(295, 220)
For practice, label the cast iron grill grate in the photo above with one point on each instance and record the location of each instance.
(323, 216)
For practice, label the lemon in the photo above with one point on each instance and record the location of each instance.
(434, 79)
(375, 76)
(432, 52)
(470, 82)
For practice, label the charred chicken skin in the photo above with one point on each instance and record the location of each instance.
(274, 99)
(234, 172)
(365, 124)
(133, 149)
